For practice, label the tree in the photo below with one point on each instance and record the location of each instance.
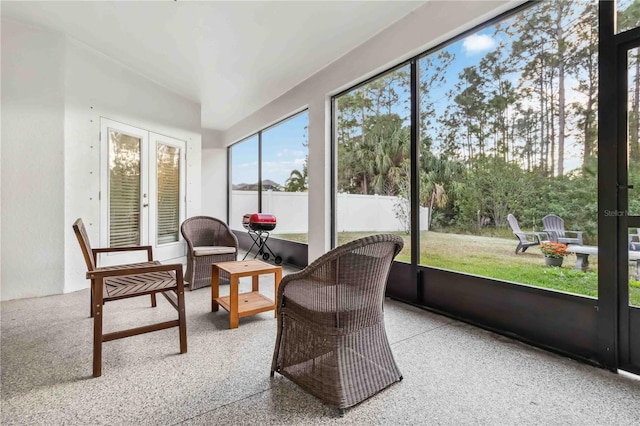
(582, 64)
(491, 187)
(297, 180)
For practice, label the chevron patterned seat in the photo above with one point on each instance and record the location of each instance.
(137, 285)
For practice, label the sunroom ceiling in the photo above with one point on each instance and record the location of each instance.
(232, 57)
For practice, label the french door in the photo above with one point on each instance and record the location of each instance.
(142, 194)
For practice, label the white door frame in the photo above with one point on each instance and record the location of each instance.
(148, 188)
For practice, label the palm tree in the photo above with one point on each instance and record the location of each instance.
(297, 181)
(436, 175)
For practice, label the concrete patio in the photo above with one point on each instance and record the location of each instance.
(454, 373)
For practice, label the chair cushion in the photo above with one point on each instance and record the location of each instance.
(209, 250)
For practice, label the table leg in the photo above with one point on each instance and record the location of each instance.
(233, 301)
(582, 262)
(215, 287)
(277, 279)
(254, 282)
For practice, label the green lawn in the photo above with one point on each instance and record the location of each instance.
(495, 258)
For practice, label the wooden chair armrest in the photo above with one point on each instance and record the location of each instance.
(121, 249)
(177, 267)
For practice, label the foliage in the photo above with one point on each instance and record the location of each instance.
(493, 129)
(492, 188)
(298, 180)
(554, 250)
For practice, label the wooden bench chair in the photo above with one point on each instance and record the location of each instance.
(130, 280)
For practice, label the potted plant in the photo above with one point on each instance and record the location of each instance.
(554, 253)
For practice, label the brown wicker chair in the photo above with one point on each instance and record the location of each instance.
(209, 240)
(331, 338)
(131, 280)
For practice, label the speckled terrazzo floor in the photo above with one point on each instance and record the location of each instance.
(454, 373)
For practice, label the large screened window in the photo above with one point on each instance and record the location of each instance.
(508, 120)
(505, 134)
(245, 180)
(372, 133)
(285, 177)
(269, 175)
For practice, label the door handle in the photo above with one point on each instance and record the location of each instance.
(145, 205)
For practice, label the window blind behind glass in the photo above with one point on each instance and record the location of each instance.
(168, 166)
(124, 189)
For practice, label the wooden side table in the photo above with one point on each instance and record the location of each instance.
(243, 304)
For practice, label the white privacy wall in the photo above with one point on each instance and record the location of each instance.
(54, 91)
(427, 26)
(356, 212)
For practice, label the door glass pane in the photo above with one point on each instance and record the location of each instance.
(633, 136)
(633, 150)
(124, 189)
(284, 177)
(373, 160)
(168, 159)
(244, 181)
(634, 267)
(628, 14)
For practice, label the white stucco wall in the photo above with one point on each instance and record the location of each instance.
(214, 183)
(54, 91)
(428, 26)
(33, 221)
(97, 86)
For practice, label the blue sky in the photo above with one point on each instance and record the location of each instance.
(282, 152)
(283, 149)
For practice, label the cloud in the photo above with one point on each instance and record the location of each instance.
(290, 153)
(477, 43)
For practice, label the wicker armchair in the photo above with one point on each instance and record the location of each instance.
(331, 338)
(209, 240)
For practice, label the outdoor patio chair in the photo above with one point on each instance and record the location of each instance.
(554, 227)
(331, 338)
(125, 281)
(525, 239)
(209, 240)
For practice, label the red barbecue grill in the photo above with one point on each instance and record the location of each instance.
(258, 225)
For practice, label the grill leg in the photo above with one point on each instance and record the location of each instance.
(256, 241)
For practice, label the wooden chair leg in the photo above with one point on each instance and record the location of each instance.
(153, 300)
(182, 318)
(91, 310)
(97, 331)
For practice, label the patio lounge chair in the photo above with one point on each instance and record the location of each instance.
(525, 239)
(131, 280)
(331, 338)
(209, 240)
(554, 227)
